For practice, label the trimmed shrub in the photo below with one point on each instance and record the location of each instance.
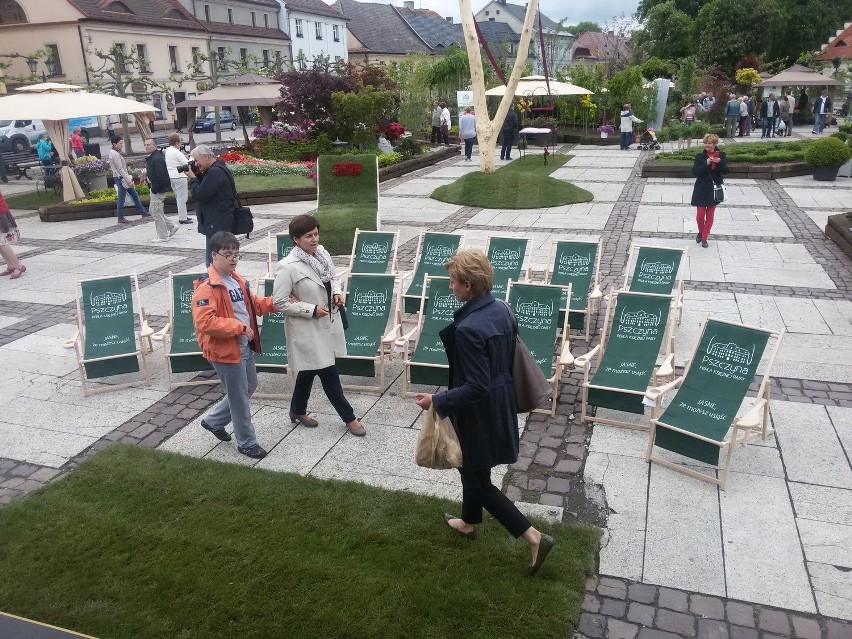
(409, 147)
(827, 152)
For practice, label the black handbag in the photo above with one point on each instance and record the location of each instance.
(719, 192)
(530, 385)
(243, 223)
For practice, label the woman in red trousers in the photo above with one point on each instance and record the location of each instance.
(709, 167)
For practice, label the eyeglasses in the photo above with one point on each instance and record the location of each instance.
(230, 256)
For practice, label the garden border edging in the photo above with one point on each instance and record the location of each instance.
(769, 171)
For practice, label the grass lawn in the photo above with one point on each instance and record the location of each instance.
(35, 200)
(141, 543)
(346, 202)
(521, 184)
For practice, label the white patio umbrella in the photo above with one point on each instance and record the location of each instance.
(535, 85)
(49, 87)
(55, 107)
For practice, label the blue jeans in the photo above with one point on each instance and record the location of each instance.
(508, 141)
(330, 380)
(240, 382)
(626, 139)
(122, 192)
(768, 130)
(819, 122)
(468, 147)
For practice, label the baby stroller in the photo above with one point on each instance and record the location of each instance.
(648, 141)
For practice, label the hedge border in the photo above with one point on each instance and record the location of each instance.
(769, 171)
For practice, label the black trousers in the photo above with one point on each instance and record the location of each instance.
(506, 149)
(478, 492)
(330, 380)
(436, 135)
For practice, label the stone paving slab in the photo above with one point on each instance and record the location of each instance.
(738, 194)
(752, 222)
(813, 198)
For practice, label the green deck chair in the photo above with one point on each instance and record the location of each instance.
(369, 298)
(635, 330)
(273, 359)
(506, 255)
(537, 309)
(577, 264)
(106, 341)
(280, 246)
(433, 249)
(428, 363)
(373, 252)
(701, 419)
(180, 346)
(656, 269)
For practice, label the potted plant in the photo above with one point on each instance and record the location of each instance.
(91, 171)
(826, 156)
(605, 130)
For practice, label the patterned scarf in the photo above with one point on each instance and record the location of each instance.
(319, 261)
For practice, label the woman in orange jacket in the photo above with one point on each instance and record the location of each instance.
(224, 313)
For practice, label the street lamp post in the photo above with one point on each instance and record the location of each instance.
(50, 63)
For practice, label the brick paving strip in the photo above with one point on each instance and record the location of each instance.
(549, 470)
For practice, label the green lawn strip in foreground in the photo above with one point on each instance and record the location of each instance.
(34, 200)
(142, 543)
(521, 184)
(750, 153)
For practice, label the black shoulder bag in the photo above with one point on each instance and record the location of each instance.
(243, 223)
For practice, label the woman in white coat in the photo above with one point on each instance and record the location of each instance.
(307, 290)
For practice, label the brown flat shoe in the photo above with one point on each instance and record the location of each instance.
(304, 420)
(356, 428)
(469, 535)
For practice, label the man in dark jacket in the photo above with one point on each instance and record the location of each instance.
(214, 193)
(510, 128)
(822, 110)
(769, 112)
(160, 184)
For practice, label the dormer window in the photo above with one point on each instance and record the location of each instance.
(11, 12)
(118, 7)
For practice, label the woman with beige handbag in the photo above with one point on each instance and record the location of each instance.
(480, 401)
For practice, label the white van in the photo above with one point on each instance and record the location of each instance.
(20, 135)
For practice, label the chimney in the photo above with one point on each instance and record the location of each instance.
(450, 19)
(408, 4)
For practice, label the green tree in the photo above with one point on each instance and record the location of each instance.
(727, 29)
(806, 26)
(411, 76)
(357, 114)
(670, 32)
(654, 68)
(689, 7)
(624, 86)
(585, 25)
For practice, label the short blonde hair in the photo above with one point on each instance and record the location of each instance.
(712, 138)
(471, 266)
(174, 138)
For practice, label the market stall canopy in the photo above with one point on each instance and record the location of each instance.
(62, 105)
(234, 95)
(49, 87)
(535, 85)
(799, 76)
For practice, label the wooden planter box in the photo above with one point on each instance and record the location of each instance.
(839, 229)
(69, 212)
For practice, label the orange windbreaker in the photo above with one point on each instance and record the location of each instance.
(216, 328)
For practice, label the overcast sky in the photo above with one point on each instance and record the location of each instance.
(575, 12)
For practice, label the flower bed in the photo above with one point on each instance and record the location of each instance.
(241, 164)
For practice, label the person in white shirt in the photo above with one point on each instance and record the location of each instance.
(467, 131)
(174, 159)
(446, 122)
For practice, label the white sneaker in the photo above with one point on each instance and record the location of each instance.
(160, 239)
(173, 230)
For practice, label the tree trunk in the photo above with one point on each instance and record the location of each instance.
(487, 130)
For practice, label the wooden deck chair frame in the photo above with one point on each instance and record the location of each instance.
(403, 343)
(400, 305)
(166, 336)
(755, 420)
(595, 293)
(677, 290)
(524, 275)
(560, 361)
(272, 249)
(142, 340)
(662, 372)
(261, 290)
(386, 342)
(392, 261)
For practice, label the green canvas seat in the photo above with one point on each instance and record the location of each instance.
(280, 246)
(577, 264)
(701, 419)
(656, 269)
(273, 359)
(106, 342)
(433, 249)
(369, 298)
(373, 252)
(506, 255)
(428, 364)
(537, 309)
(636, 329)
(180, 345)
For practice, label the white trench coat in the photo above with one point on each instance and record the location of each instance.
(312, 342)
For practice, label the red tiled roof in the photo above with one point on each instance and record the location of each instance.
(164, 13)
(222, 28)
(840, 46)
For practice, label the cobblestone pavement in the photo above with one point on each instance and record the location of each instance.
(768, 264)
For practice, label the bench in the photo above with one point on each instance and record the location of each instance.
(162, 141)
(21, 161)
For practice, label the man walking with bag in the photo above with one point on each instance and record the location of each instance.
(159, 182)
(214, 194)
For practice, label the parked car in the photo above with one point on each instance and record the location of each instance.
(208, 122)
(20, 135)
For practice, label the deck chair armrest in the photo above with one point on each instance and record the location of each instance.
(655, 392)
(596, 293)
(392, 334)
(343, 271)
(666, 369)
(565, 357)
(583, 360)
(159, 335)
(70, 343)
(402, 340)
(145, 330)
(754, 416)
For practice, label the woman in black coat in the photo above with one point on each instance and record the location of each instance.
(709, 167)
(480, 400)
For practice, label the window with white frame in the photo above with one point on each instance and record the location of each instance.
(318, 30)
(335, 31)
(53, 52)
(142, 54)
(299, 32)
(173, 59)
(196, 60)
(265, 20)
(230, 16)
(221, 54)
(253, 19)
